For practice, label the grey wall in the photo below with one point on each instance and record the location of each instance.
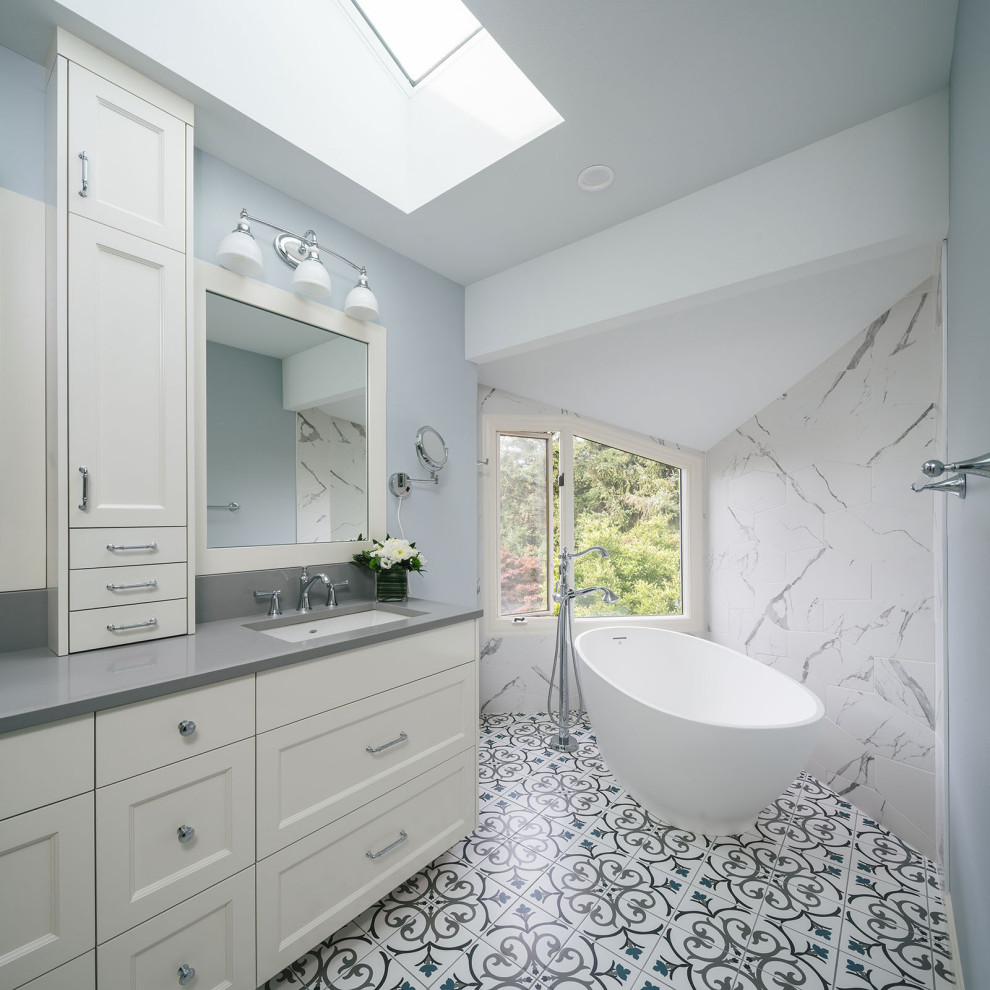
(968, 434)
(428, 379)
(22, 122)
(251, 448)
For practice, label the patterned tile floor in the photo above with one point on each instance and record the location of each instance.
(569, 883)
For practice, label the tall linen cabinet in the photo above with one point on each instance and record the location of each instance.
(118, 319)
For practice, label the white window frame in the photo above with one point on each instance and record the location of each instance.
(691, 465)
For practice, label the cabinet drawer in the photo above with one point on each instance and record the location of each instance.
(152, 734)
(303, 689)
(80, 974)
(45, 763)
(126, 546)
(102, 587)
(144, 866)
(46, 876)
(313, 771)
(89, 630)
(309, 889)
(212, 933)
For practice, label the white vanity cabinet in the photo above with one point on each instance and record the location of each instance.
(223, 831)
(366, 772)
(118, 326)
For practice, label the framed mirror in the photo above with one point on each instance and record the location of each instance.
(290, 427)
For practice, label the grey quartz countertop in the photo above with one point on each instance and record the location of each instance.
(37, 687)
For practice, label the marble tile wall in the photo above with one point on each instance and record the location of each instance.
(820, 558)
(331, 477)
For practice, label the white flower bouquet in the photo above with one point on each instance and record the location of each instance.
(392, 553)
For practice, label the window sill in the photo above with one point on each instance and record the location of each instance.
(546, 625)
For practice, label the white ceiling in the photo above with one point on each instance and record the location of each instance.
(675, 95)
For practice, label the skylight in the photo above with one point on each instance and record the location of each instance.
(422, 35)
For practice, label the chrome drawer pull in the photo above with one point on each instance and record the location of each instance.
(132, 546)
(187, 727)
(127, 587)
(85, 174)
(185, 832)
(84, 504)
(186, 974)
(395, 742)
(381, 852)
(133, 625)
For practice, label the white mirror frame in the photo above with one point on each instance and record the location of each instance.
(222, 560)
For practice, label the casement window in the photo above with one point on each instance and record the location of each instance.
(566, 482)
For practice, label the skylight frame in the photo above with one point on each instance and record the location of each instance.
(413, 82)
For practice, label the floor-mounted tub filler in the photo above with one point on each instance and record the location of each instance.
(564, 662)
(702, 736)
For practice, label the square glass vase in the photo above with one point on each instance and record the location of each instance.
(392, 585)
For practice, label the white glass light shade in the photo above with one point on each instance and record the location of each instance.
(240, 253)
(361, 303)
(311, 279)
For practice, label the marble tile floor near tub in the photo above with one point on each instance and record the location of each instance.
(568, 883)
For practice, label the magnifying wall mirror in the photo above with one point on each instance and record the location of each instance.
(431, 449)
(293, 399)
(432, 453)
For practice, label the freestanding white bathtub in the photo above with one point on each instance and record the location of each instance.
(702, 736)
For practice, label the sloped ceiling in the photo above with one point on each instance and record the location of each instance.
(692, 376)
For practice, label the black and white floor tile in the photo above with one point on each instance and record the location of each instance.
(568, 884)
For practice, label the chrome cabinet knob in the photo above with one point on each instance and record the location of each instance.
(186, 974)
(185, 832)
(187, 727)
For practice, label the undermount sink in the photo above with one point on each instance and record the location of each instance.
(296, 630)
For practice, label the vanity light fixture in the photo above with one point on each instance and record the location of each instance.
(240, 253)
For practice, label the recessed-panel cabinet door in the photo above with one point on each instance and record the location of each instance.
(170, 833)
(133, 173)
(127, 380)
(46, 876)
(206, 943)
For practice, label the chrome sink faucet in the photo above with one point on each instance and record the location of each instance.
(332, 587)
(274, 600)
(305, 583)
